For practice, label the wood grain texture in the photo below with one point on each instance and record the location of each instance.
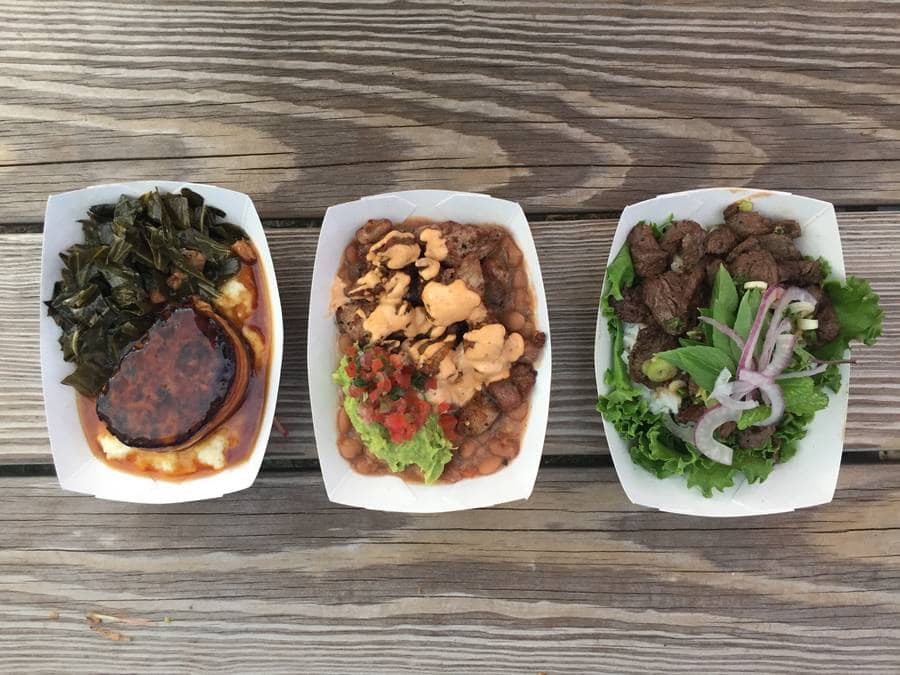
(564, 106)
(572, 254)
(574, 580)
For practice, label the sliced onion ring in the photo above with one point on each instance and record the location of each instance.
(703, 434)
(776, 325)
(725, 330)
(765, 354)
(746, 359)
(682, 431)
(803, 373)
(781, 357)
(724, 393)
(771, 392)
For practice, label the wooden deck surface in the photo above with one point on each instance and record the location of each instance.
(573, 109)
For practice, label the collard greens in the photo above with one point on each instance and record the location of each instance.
(137, 253)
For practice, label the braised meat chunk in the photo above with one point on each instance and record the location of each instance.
(506, 394)
(373, 230)
(789, 228)
(721, 240)
(690, 411)
(670, 296)
(477, 416)
(469, 271)
(781, 246)
(673, 238)
(755, 265)
(747, 223)
(829, 326)
(495, 271)
(755, 437)
(648, 258)
(464, 240)
(631, 307)
(350, 320)
(800, 272)
(524, 377)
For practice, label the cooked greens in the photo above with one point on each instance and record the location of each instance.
(137, 254)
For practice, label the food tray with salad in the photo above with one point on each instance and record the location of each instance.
(429, 352)
(722, 351)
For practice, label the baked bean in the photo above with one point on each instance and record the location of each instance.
(513, 320)
(527, 331)
(519, 413)
(504, 447)
(522, 299)
(507, 425)
(343, 421)
(489, 464)
(364, 465)
(345, 342)
(349, 447)
(350, 254)
(451, 474)
(468, 448)
(513, 253)
(532, 352)
(520, 280)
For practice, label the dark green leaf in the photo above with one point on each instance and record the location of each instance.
(724, 305)
(746, 313)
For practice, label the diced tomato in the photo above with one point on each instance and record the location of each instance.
(431, 383)
(448, 424)
(398, 427)
(443, 407)
(373, 395)
(355, 391)
(403, 377)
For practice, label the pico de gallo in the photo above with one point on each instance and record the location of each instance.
(392, 393)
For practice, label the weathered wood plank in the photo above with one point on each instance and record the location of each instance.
(305, 105)
(573, 255)
(574, 580)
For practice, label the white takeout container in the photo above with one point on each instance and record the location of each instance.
(807, 479)
(390, 493)
(76, 466)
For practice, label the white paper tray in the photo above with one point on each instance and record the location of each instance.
(76, 467)
(809, 478)
(390, 493)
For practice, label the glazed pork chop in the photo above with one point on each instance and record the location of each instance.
(186, 375)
